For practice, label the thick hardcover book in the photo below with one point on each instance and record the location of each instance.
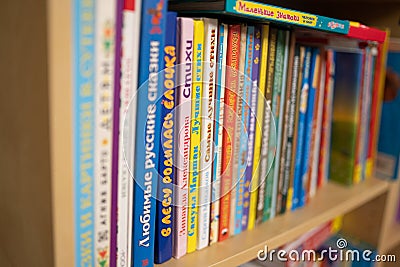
(287, 143)
(297, 182)
(274, 133)
(148, 130)
(84, 130)
(218, 130)
(317, 128)
(326, 118)
(129, 79)
(244, 132)
(345, 116)
(165, 196)
(279, 98)
(104, 116)
(308, 129)
(248, 223)
(260, 169)
(290, 191)
(231, 88)
(194, 175)
(264, 12)
(237, 179)
(182, 131)
(207, 129)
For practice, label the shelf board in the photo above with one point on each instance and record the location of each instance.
(330, 201)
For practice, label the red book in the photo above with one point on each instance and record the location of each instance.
(230, 101)
(379, 80)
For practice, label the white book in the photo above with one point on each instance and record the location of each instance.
(207, 129)
(236, 180)
(219, 103)
(183, 121)
(129, 80)
(104, 100)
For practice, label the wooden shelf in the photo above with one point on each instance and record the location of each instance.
(330, 201)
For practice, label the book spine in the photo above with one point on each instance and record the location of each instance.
(279, 111)
(183, 119)
(366, 172)
(207, 130)
(376, 103)
(244, 133)
(295, 130)
(256, 10)
(287, 147)
(308, 130)
(228, 138)
(366, 104)
(268, 123)
(326, 119)
(259, 169)
(83, 135)
(104, 96)
(317, 128)
(361, 116)
(198, 49)
(218, 128)
(237, 189)
(148, 130)
(127, 126)
(164, 202)
(274, 131)
(297, 182)
(252, 208)
(249, 133)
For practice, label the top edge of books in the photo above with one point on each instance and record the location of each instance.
(263, 12)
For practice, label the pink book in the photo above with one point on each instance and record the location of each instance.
(183, 118)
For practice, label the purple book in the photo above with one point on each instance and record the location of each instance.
(252, 127)
(114, 174)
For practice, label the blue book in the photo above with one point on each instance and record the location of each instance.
(83, 135)
(297, 182)
(164, 217)
(244, 126)
(308, 127)
(148, 130)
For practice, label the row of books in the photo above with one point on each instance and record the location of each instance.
(190, 130)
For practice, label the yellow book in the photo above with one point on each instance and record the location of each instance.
(258, 133)
(194, 167)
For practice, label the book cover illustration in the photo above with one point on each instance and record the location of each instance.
(345, 116)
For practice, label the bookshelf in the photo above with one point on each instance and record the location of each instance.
(36, 158)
